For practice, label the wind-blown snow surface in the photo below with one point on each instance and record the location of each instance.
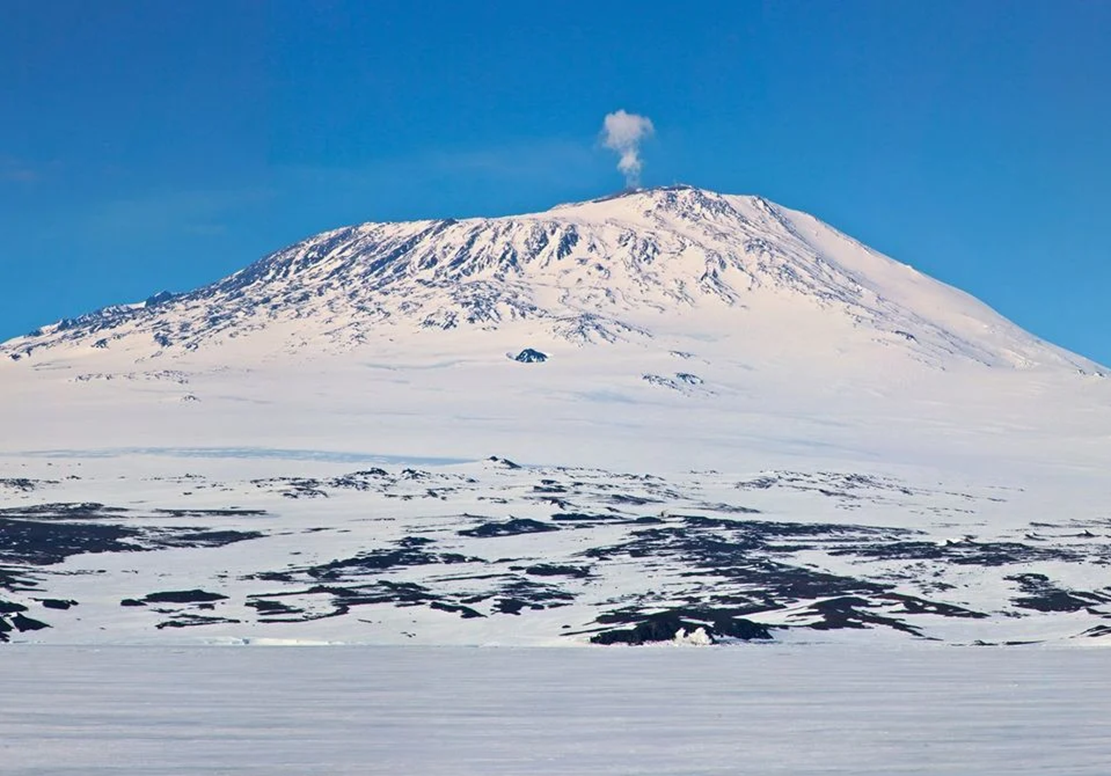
(440, 712)
(746, 420)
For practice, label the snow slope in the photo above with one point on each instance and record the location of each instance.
(923, 467)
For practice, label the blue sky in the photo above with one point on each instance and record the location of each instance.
(148, 145)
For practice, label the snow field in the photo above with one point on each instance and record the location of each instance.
(801, 710)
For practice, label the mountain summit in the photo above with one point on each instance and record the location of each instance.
(624, 267)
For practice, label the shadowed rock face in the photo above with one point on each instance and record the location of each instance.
(717, 624)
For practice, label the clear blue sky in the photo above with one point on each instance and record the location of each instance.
(157, 145)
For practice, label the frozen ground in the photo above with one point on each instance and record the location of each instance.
(818, 709)
(136, 548)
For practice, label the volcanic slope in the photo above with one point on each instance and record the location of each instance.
(621, 268)
(680, 325)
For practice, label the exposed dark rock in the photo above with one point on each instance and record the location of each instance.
(661, 381)
(183, 597)
(193, 620)
(1044, 596)
(530, 356)
(466, 612)
(853, 612)
(160, 298)
(630, 500)
(24, 484)
(23, 623)
(505, 462)
(267, 607)
(963, 553)
(191, 537)
(580, 517)
(914, 605)
(664, 626)
(536, 595)
(64, 511)
(55, 603)
(43, 542)
(408, 554)
(555, 570)
(549, 487)
(511, 527)
(211, 512)
(380, 560)
(46, 534)
(510, 605)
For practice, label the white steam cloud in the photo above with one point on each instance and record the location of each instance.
(623, 132)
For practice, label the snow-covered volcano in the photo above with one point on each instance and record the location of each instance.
(657, 326)
(669, 411)
(628, 267)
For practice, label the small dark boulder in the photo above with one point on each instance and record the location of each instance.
(57, 603)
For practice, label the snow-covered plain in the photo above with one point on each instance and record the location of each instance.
(141, 547)
(770, 709)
